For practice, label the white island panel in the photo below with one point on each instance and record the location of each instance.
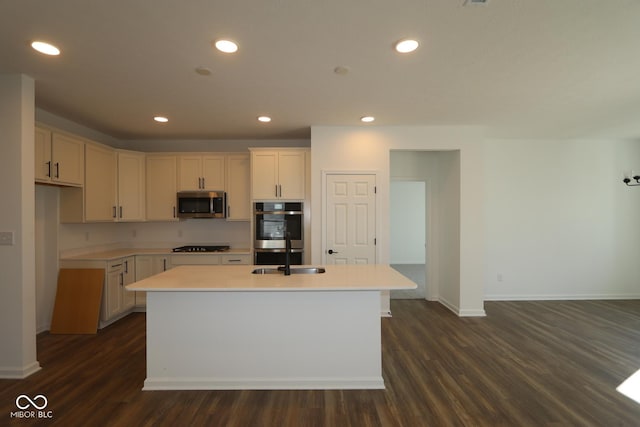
(263, 340)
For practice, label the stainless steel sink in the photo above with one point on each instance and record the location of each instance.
(294, 270)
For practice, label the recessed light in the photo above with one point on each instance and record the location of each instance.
(367, 119)
(160, 119)
(407, 45)
(46, 48)
(264, 119)
(226, 46)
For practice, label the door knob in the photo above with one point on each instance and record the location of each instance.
(331, 251)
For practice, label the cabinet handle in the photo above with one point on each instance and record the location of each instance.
(121, 279)
(276, 190)
(228, 211)
(116, 265)
(49, 168)
(57, 170)
(280, 188)
(234, 260)
(174, 211)
(203, 186)
(120, 211)
(164, 265)
(126, 267)
(114, 211)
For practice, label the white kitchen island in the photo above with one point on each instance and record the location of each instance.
(221, 327)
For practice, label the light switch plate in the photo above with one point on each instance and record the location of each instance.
(6, 238)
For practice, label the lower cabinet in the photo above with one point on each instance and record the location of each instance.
(116, 300)
(147, 266)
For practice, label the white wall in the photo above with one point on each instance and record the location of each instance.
(46, 231)
(17, 261)
(336, 148)
(408, 222)
(560, 222)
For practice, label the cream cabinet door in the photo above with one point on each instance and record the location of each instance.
(67, 157)
(264, 175)
(100, 184)
(189, 173)
(42, 147)
(161, 188)
(131, 188)
(129, 276)
(113, 299)
(291, 175)
(238, 189)
(213, 173)
(201, 172)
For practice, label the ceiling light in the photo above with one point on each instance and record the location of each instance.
(407, 45)
(46, 48)
(226, 46)
(160, 119)
(367, 119)
(264, 119)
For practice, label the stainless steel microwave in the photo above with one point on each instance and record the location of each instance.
(202, 204)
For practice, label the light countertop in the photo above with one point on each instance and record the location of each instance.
(121, 253)
(219, 278)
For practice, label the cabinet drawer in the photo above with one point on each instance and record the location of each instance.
(235, 259)
(195, 260)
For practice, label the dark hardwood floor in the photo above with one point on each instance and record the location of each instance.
(553, 363)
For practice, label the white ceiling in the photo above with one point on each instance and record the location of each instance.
(527, 68)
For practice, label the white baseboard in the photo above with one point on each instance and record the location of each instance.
(264, 384)
(566, 297)
(19, 373)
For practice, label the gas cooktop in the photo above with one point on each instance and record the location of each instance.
(201, 248)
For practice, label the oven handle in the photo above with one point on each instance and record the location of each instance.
(278, 212)
(277, 250)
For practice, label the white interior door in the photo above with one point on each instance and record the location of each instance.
(350, 219)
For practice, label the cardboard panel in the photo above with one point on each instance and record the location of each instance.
(78, 298)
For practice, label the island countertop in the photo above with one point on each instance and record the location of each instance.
(198, 278)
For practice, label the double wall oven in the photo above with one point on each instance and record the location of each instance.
(272, 221)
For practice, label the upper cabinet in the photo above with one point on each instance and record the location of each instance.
(278, 174)
(100, 188)
(59, 158)
(131, 186)
(114, 188)
(161, 187)
(201, 172)
(238, 188)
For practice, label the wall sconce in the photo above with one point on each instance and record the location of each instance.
(635, 178)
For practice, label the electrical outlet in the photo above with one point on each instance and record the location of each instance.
(6, 238)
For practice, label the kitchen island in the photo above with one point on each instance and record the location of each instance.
(222, 327)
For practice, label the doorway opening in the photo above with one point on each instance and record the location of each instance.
(408, 235)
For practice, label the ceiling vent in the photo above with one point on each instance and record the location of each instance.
(475, 2)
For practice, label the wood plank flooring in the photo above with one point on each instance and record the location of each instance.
(553, 363)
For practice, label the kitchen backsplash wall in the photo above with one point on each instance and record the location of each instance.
(78, 238)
